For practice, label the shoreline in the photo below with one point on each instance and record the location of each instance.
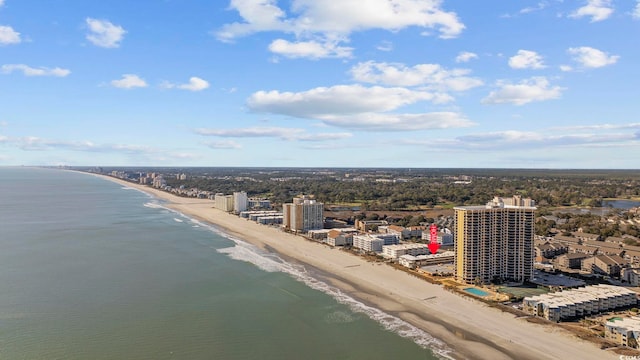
(471, 329)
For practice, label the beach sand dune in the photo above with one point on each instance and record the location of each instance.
(472, 329)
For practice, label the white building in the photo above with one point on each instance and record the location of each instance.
(623, 331)
(368, 243)
(339, 238)
(224, 202)
(240, 201)
(303, 214)
(631, 275)
(445, 237)
(255, 203)
(412, 261)
(374, 242)
(249, 213)
(580, 302)
(395, 251)
(269, 220)
(159, 182)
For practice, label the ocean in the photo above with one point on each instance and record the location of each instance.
(90, 269)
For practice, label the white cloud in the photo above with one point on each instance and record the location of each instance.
(225, 144)
(398, 122)
(323, 137)
(526, 59)
(194, 84)
(289, 134)
(466, 56)
(9, 36)
(523, 139)
(309, 49)
(104, 34)
(528, 90)
(129, 81)
(598, 10)
(339, 99)
(358, 107)
(636, 11)
(513, 140)
(566, 68)
(1, 3)
(592, 58)
(33, 143)
(334, 20)
(432, 76)
(599, 127)
(385, 46)
(29, 71)
(539, 6)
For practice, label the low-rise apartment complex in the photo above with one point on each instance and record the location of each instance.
(580, 302)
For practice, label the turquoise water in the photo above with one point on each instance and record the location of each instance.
(92, 270)
(476, 292)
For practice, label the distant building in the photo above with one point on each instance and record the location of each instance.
(319, 234)
(240, 202)
(585, 236)
(400, 231)
(495, 241)
(580, 302)
(303, 214)
(623, 331)
(549, 250)
(412, 262)
(224, 202)
(368, 243)
(339, 238)
(417, 231)
(254, 203)
(159, 182)
(631, 276)
(395, 251)
(609, 265)
(374, 242)
(445, 237)
(572, 260)
(368, 225)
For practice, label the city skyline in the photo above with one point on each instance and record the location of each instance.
(402, 83)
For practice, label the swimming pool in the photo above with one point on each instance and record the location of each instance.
(476, 292)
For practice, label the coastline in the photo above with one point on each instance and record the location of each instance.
(470, 328)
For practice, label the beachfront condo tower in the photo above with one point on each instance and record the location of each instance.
(303, 214)
(494, 243)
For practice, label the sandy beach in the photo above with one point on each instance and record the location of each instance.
(472, 329)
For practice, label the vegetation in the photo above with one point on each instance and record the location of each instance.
(412, 189)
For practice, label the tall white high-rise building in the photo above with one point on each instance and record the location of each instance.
(303, 214)
(240, 201)
(224, 202)
(495, 242)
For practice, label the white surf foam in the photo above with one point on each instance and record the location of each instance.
(273, 263)
(252, 254)
(154, 205)
(141, 191)
(177, 220)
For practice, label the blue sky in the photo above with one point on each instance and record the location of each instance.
(369, 83)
